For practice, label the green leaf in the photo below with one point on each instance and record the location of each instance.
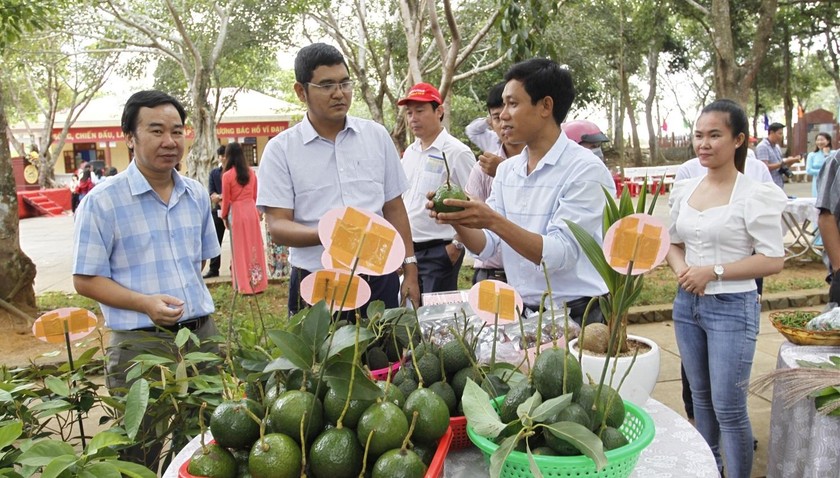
(338, 376)
(316, 325)
(135, 407)
(532, 464)
(281, 363)
(9, 433)
(581, 438)
(551, 407)
(102, 469)
(594, 253)
(51, 407)
(57, 386)
(58, 465)
(480, 414)
(41, 453)
(106, 439)
(527, 407)
(151, 359)
(375, 309)
(497, 459)
(293, 348)
(133, 470)
(182, 337)
(345, 337)
(198, 357)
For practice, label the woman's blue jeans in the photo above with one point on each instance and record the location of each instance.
(716, 335)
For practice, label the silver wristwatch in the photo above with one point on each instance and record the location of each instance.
(718, 270)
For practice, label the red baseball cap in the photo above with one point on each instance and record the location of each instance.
(422, 93)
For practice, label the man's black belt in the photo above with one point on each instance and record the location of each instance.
(422, 246)
(192, 324)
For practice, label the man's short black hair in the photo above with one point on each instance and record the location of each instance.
(494, 96)
(542, 77)
(220, 151)
(312, 56)
(147, 99)
(775, 127)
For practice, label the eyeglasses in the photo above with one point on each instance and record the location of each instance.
(344, 86)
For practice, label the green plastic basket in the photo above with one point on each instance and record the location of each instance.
(637, 428)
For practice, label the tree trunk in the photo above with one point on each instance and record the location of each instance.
(787, 95)
(734, 80)
(17, 270)
(638, 160)
(202, 155)
(653, 64)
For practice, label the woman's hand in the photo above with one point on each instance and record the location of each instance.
(694, 278)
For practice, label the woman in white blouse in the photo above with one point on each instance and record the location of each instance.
(717, 220)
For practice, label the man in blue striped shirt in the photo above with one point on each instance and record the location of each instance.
(140, 240)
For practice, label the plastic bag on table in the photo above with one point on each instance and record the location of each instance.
(828, 320)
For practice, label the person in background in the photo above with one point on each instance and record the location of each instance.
(482, 133)
(717, 222)
(552, 180)
(480, 183)
(815, 160)
(769, 151)
(239, 211)
(439, 253)
(828, 203)
(214, 187)
(139, 243)
(330, 160)
(85, 183)
(112, 171)
(586, 134)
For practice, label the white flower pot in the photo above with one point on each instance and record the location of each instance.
(639, 384)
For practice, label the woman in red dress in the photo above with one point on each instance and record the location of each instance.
(239, 211)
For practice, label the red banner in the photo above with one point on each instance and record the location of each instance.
(223, 130)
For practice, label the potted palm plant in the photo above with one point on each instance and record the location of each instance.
(634, 243)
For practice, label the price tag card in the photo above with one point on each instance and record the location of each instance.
(349, 233)
(489, 297)
(335, 287)
(640, 238)
(51, 326)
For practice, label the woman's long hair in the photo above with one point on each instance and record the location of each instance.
(826, 136)
(235, 158)
(737, 122)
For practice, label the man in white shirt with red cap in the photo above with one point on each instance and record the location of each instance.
(439, 254)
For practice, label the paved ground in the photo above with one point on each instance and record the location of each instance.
(49, 242)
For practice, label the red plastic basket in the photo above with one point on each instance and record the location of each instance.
(435, 468)
(382, 373)
(460, 439)
(437, 465)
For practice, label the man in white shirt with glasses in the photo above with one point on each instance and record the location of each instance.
(331, 160)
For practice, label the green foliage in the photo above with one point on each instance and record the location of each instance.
(20, 16)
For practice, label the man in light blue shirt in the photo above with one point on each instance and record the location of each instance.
(331, 160)
(140, 242)
(554, 179)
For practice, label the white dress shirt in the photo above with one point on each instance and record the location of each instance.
(752, 220)
(425, 173)
(568, 183)
(302, 171)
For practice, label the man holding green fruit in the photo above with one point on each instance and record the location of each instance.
(554, 179)
(436, 161)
